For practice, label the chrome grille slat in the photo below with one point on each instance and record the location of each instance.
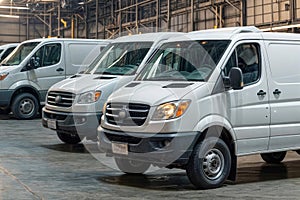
(66, 98)
(124, 114)
(129, 110)
(111, 115)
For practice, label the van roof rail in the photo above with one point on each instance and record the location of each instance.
(246, 29)
(231, 30)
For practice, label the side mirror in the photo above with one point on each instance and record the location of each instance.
(33, 63)
(236, 78)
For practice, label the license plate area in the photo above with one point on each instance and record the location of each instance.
(51, 124)
(120, 148)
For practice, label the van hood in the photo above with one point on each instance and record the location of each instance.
(80, 83)
(8, 68)
(153, 93)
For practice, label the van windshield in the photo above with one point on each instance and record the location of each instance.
(120, 58)
(184, 61)
(20, 54)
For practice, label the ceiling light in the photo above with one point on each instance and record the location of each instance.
(14, 7)
(10, 16)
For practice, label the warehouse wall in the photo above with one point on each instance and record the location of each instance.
(17, 30)
(115, 18)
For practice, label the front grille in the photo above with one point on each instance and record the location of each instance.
(55, 116)
(61, 99)
(124, 139)
(126, 114)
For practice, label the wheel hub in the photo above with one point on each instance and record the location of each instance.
(26, 106)
(213, 164)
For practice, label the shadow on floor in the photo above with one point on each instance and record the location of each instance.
(179, 181)
(170, 181)
(70, 148)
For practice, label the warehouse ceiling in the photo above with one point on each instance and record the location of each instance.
(42, 7)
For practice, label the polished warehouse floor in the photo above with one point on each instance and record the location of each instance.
(34, 164)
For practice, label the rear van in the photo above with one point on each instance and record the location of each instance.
(6, 49)
(203, 100)
(35, 65)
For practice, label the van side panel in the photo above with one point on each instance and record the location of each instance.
(80, 55)
(284, 84)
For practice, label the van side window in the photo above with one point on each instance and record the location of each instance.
(246, 57)
(47, 55)
(7, 52)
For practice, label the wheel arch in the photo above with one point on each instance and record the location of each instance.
(25, 89)
(217, 126)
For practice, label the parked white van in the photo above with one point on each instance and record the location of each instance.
(28, 72)
(6, 49)
(82, 96)
(203, 100)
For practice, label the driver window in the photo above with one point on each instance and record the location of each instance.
(47, 55)
(246, 57)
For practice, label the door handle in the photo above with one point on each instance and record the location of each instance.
(60, 69)
(277, 92)
(261, 93)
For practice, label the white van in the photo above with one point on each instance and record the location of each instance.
(35, 65)
(116, 66)
(6, 49)
(204, 99)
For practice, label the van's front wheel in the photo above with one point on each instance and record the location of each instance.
(25, 106)
(210, 163)
(273, 158)
(68, 138)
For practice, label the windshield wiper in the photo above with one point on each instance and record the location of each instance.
(194, 79)
(5, 64)
(109, 73)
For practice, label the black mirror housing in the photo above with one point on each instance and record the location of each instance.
(236, 78)
(32, 64)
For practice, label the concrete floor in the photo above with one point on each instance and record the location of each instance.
(34, 164)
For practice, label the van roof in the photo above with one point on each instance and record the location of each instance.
(147, 37)
(9, 45)
(66, 39)
(235, 33)
(220, 33)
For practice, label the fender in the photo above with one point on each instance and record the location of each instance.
(25, 83)
(215, 120)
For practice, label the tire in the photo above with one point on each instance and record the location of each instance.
(25, 106)
(68, 138)
(132, 166)
(210, 163)
(273, 158)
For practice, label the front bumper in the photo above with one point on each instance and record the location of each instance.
(84, 124)
(5, 97)
(161, 149)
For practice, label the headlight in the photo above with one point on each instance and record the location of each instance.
(171, 110)
(3, 75)
(89, 97)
